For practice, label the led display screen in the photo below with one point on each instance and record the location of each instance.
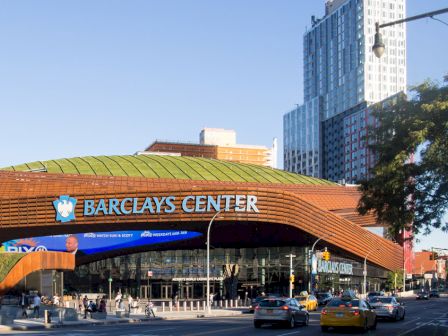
(96, 242)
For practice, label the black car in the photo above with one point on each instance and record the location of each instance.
(323, 298)
(434, 293)
(255, 303)
(424, 295)
(373, 294)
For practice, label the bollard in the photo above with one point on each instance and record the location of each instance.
(204, 305)
(220, 303)
(191, 305)
(47, 316)
(163, 306)
(185, 305)
(61, 316)
(170, 305)
(198, 305)
(226, 304)
(236, 303)
(231, 303)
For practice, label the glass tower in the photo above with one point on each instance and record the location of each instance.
(342, 76)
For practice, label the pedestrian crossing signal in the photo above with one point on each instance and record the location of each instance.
(292, 278)
(326, 255)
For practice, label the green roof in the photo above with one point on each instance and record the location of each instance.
(175, 167)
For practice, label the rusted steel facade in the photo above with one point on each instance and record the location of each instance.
(26, 210)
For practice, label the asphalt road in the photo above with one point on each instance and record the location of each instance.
(423, 318)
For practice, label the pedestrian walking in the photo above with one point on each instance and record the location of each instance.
(36, 306)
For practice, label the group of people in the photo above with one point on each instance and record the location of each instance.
(90, 306)
(34, 303)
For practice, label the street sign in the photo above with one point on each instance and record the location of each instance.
(149, 273)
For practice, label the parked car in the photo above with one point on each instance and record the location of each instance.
(434, 293)
(309, 301)
(388, 307)
(323, 298)
(348, 311)
(423, 295)
(284, 311)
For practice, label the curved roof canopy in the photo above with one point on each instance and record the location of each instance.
(175, 167)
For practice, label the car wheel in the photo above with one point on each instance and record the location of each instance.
(404, 313)
(374, 325)
(324, 328)
(397, 316)
(292, 322)
(257, 324)
(307, 320)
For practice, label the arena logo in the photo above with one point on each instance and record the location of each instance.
(65, 208)
(165, 204)
(65, 205)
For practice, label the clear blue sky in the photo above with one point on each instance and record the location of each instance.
(109, 77)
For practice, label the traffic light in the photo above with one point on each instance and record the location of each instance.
(326, 255)
(292, 278)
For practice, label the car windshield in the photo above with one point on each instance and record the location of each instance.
(381, 300)
(342, 303)
(272, 303)
(373, 294)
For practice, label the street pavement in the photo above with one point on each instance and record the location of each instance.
(423, 318)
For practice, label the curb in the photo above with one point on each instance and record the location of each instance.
(111, 322)
(57, 325)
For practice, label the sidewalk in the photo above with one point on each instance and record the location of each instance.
(35, 324)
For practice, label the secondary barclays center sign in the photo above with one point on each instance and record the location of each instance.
(65, 205)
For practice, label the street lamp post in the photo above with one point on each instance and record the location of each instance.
(310, 280)
(208, 260)
(379, 47)
(365, 270)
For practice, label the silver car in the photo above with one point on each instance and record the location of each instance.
(280, 311)
(389, 307)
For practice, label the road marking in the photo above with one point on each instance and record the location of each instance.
(215, 331)
(410, 321)
(419, 325)
(294, 332)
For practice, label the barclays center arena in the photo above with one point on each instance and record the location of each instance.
(138, 224)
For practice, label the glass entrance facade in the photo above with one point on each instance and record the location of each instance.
(234, 272)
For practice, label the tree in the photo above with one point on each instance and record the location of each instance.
(394, 280)
(409, 183)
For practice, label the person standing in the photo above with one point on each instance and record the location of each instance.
(130, 302)
(36, 306)
(23, 304)
(85, 303)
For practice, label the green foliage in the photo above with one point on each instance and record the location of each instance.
(409, 183)
(394, 280)
(7, 262)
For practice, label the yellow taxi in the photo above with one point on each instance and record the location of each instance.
(309, 301)
(348, 311)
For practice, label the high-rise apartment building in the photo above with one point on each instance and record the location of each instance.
(342, 78)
